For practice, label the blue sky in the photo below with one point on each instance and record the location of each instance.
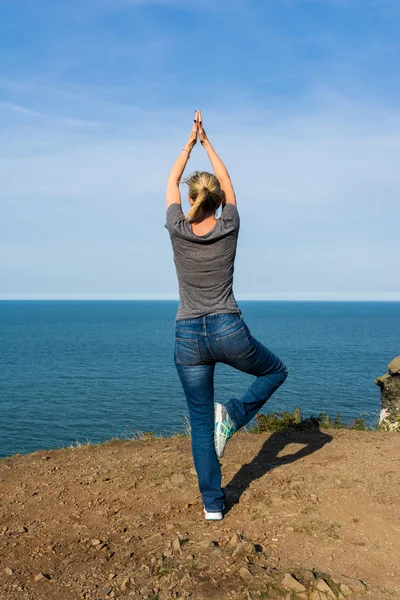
(299, 97)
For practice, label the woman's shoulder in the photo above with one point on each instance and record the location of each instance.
(230, 215)
(174, 217)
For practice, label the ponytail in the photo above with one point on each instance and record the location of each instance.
(205, 191)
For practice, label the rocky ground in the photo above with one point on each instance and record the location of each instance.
(311, 515)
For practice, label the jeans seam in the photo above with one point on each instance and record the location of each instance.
(209, 347)
(224, 328)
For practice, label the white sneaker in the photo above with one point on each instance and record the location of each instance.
(213, 516)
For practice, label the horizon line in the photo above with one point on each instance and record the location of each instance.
(323, 297)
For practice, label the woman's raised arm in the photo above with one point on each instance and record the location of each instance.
(173, 192)
(219, 168)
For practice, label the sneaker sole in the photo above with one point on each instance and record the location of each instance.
(218, 419)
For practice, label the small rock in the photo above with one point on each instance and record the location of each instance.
(22, 529)
(345, 590)
(96, 542)
(178, 478)
(271, 562)
(356, 585)
(244, 549)
(105, 590)
(146, 592)
(295, 484)
(305, 577)
(322, 586)
(156, 537)
(170, 526)
(125, 584)
(111, 576)
(9, 571)
(176, 545)
(206, 544)
(245, 574)
(42, 577)
(235, 539)
(290, 583)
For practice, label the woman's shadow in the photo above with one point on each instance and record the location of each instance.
(267, 459)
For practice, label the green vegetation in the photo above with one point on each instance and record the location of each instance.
(167, 566)
(295, 422)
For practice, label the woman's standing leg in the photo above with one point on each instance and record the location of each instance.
(198, 385)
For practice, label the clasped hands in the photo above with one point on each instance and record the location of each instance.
(197, 130)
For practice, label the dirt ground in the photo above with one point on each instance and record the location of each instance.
(124, 519)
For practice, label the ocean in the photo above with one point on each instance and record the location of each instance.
(78, 371)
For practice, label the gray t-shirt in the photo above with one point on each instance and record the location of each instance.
(204, 263)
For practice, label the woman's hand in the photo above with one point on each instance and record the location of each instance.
(200, 129)
(193, 134)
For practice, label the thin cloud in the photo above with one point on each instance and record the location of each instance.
(9, 106)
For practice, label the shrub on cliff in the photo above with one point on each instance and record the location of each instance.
(294, 421)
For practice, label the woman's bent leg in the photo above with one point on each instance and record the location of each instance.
(198, 385)
(243, 352)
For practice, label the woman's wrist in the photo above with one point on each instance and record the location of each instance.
(188, 147)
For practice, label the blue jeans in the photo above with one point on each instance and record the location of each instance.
(199, 344)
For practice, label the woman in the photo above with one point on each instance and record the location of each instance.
(209, 327)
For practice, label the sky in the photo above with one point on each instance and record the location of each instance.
(300, 98)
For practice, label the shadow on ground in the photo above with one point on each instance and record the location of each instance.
(267, 459)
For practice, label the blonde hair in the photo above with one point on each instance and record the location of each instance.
(206, 193)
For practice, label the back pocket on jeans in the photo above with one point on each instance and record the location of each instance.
(187, 352)
(236, 344)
